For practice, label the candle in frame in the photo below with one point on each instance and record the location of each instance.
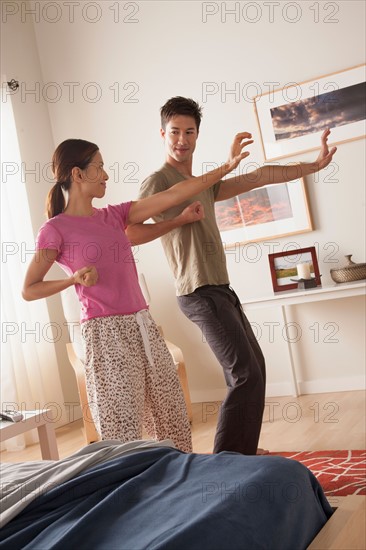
(303, 271)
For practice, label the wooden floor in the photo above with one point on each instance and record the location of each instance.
(309, 422)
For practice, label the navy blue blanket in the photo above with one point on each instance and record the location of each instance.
(165, 499)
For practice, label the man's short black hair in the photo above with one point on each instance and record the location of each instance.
(180, 106)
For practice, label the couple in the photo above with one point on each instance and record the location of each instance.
(129, 372)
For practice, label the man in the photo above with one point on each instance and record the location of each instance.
(196, 257)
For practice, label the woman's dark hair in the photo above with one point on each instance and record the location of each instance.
(70, 153)
(180, 106)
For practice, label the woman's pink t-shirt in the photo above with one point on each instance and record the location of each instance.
(98, 240)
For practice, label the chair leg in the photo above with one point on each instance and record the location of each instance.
(178, 358)
(91, 434)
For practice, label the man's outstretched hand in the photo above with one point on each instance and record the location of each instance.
(326, 154)
(236, 154)
(241, 140)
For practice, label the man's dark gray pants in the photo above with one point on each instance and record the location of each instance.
(217, 311)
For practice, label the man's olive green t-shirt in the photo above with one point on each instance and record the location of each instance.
(194, 251)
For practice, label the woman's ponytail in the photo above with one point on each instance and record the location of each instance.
(70, 153)
(55, 203)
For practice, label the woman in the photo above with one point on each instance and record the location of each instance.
(130, 377)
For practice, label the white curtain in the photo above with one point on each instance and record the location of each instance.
(29, 373)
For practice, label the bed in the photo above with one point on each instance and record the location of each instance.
(148, 495)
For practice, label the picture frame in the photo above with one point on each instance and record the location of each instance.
(264, 213)
(291, 119)
(283, 267)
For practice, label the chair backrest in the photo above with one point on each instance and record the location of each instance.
(71, 306)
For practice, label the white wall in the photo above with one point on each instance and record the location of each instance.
(150, 51)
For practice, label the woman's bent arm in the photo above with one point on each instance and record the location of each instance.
(35, 287)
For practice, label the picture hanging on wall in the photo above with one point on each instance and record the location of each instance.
(292, 119)
(264, 213)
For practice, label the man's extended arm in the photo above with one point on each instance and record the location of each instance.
(140, 233)
(270, 174)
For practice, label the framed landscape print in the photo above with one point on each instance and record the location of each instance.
(283, 266)
(264, 213)
(292, 119)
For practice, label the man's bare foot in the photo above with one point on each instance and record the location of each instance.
(262, 451)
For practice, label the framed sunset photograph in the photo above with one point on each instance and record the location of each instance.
(292, 119)
(264, 213)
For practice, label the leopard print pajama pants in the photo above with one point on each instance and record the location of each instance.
(132, 382)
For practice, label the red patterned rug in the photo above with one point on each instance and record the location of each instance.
(340, 473)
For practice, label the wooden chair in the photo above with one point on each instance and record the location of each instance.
(91, 433)
(178, 359)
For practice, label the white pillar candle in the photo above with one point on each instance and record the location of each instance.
(303, 271)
